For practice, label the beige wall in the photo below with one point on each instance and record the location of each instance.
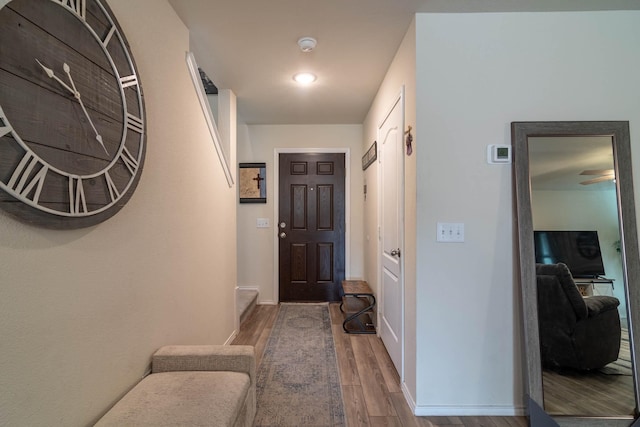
(401, 74)
(82, 311)
(258, 143)
(478, 73)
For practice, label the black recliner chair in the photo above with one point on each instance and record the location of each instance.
(575, 331)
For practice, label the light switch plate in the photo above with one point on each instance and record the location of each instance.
(451, 232)
(262, 223)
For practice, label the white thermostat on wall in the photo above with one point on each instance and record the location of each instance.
(497, 153)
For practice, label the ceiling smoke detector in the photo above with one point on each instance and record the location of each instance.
(307, 44)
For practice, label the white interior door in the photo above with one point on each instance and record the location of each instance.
(390, 309)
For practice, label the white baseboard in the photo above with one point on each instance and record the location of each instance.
(407, 396)
(267, 303)
(469, 410)
(233, 336)
(456, 410)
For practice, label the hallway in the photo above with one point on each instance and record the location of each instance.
(370, 384)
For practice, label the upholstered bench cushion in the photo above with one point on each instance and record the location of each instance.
(183, 398)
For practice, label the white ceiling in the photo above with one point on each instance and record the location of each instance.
(250, 47)
(555, 163)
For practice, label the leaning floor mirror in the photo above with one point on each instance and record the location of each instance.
(579, 272)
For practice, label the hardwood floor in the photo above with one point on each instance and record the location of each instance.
(370, 383)
(591, 394)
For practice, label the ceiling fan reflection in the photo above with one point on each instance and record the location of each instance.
(600, 176)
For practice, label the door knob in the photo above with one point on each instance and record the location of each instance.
(395, 252)
(283, 235)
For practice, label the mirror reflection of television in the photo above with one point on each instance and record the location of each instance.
(579, 250)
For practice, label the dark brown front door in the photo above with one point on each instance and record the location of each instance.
(311, 226)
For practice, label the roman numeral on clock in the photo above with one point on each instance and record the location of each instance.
(135, 123)
(107, 38)
(114, 193)
(5, 127)
(78, 6)
(129, 161)
(77, 200)
(127, 81)
(28, 175)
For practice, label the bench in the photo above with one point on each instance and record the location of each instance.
(357, 304)
(209, 385)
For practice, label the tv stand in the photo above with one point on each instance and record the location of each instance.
(586, 285)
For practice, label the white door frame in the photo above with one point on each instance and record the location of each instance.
(276, 198)
(399, 99)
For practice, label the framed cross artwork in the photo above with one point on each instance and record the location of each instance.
(253, 183)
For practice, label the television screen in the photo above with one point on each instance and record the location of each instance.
(579, 250)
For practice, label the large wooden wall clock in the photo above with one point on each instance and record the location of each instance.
(72, 121)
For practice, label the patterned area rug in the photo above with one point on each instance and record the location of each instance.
(298, 382)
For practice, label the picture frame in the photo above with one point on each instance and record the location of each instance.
(252, 183)
(370, 156)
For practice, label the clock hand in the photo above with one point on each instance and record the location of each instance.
(75, 93)
(51, 75)
(98, 137)
(67, 70)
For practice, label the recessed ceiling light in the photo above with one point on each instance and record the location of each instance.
(305, 78)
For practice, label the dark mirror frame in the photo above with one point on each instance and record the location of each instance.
(619, 132)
